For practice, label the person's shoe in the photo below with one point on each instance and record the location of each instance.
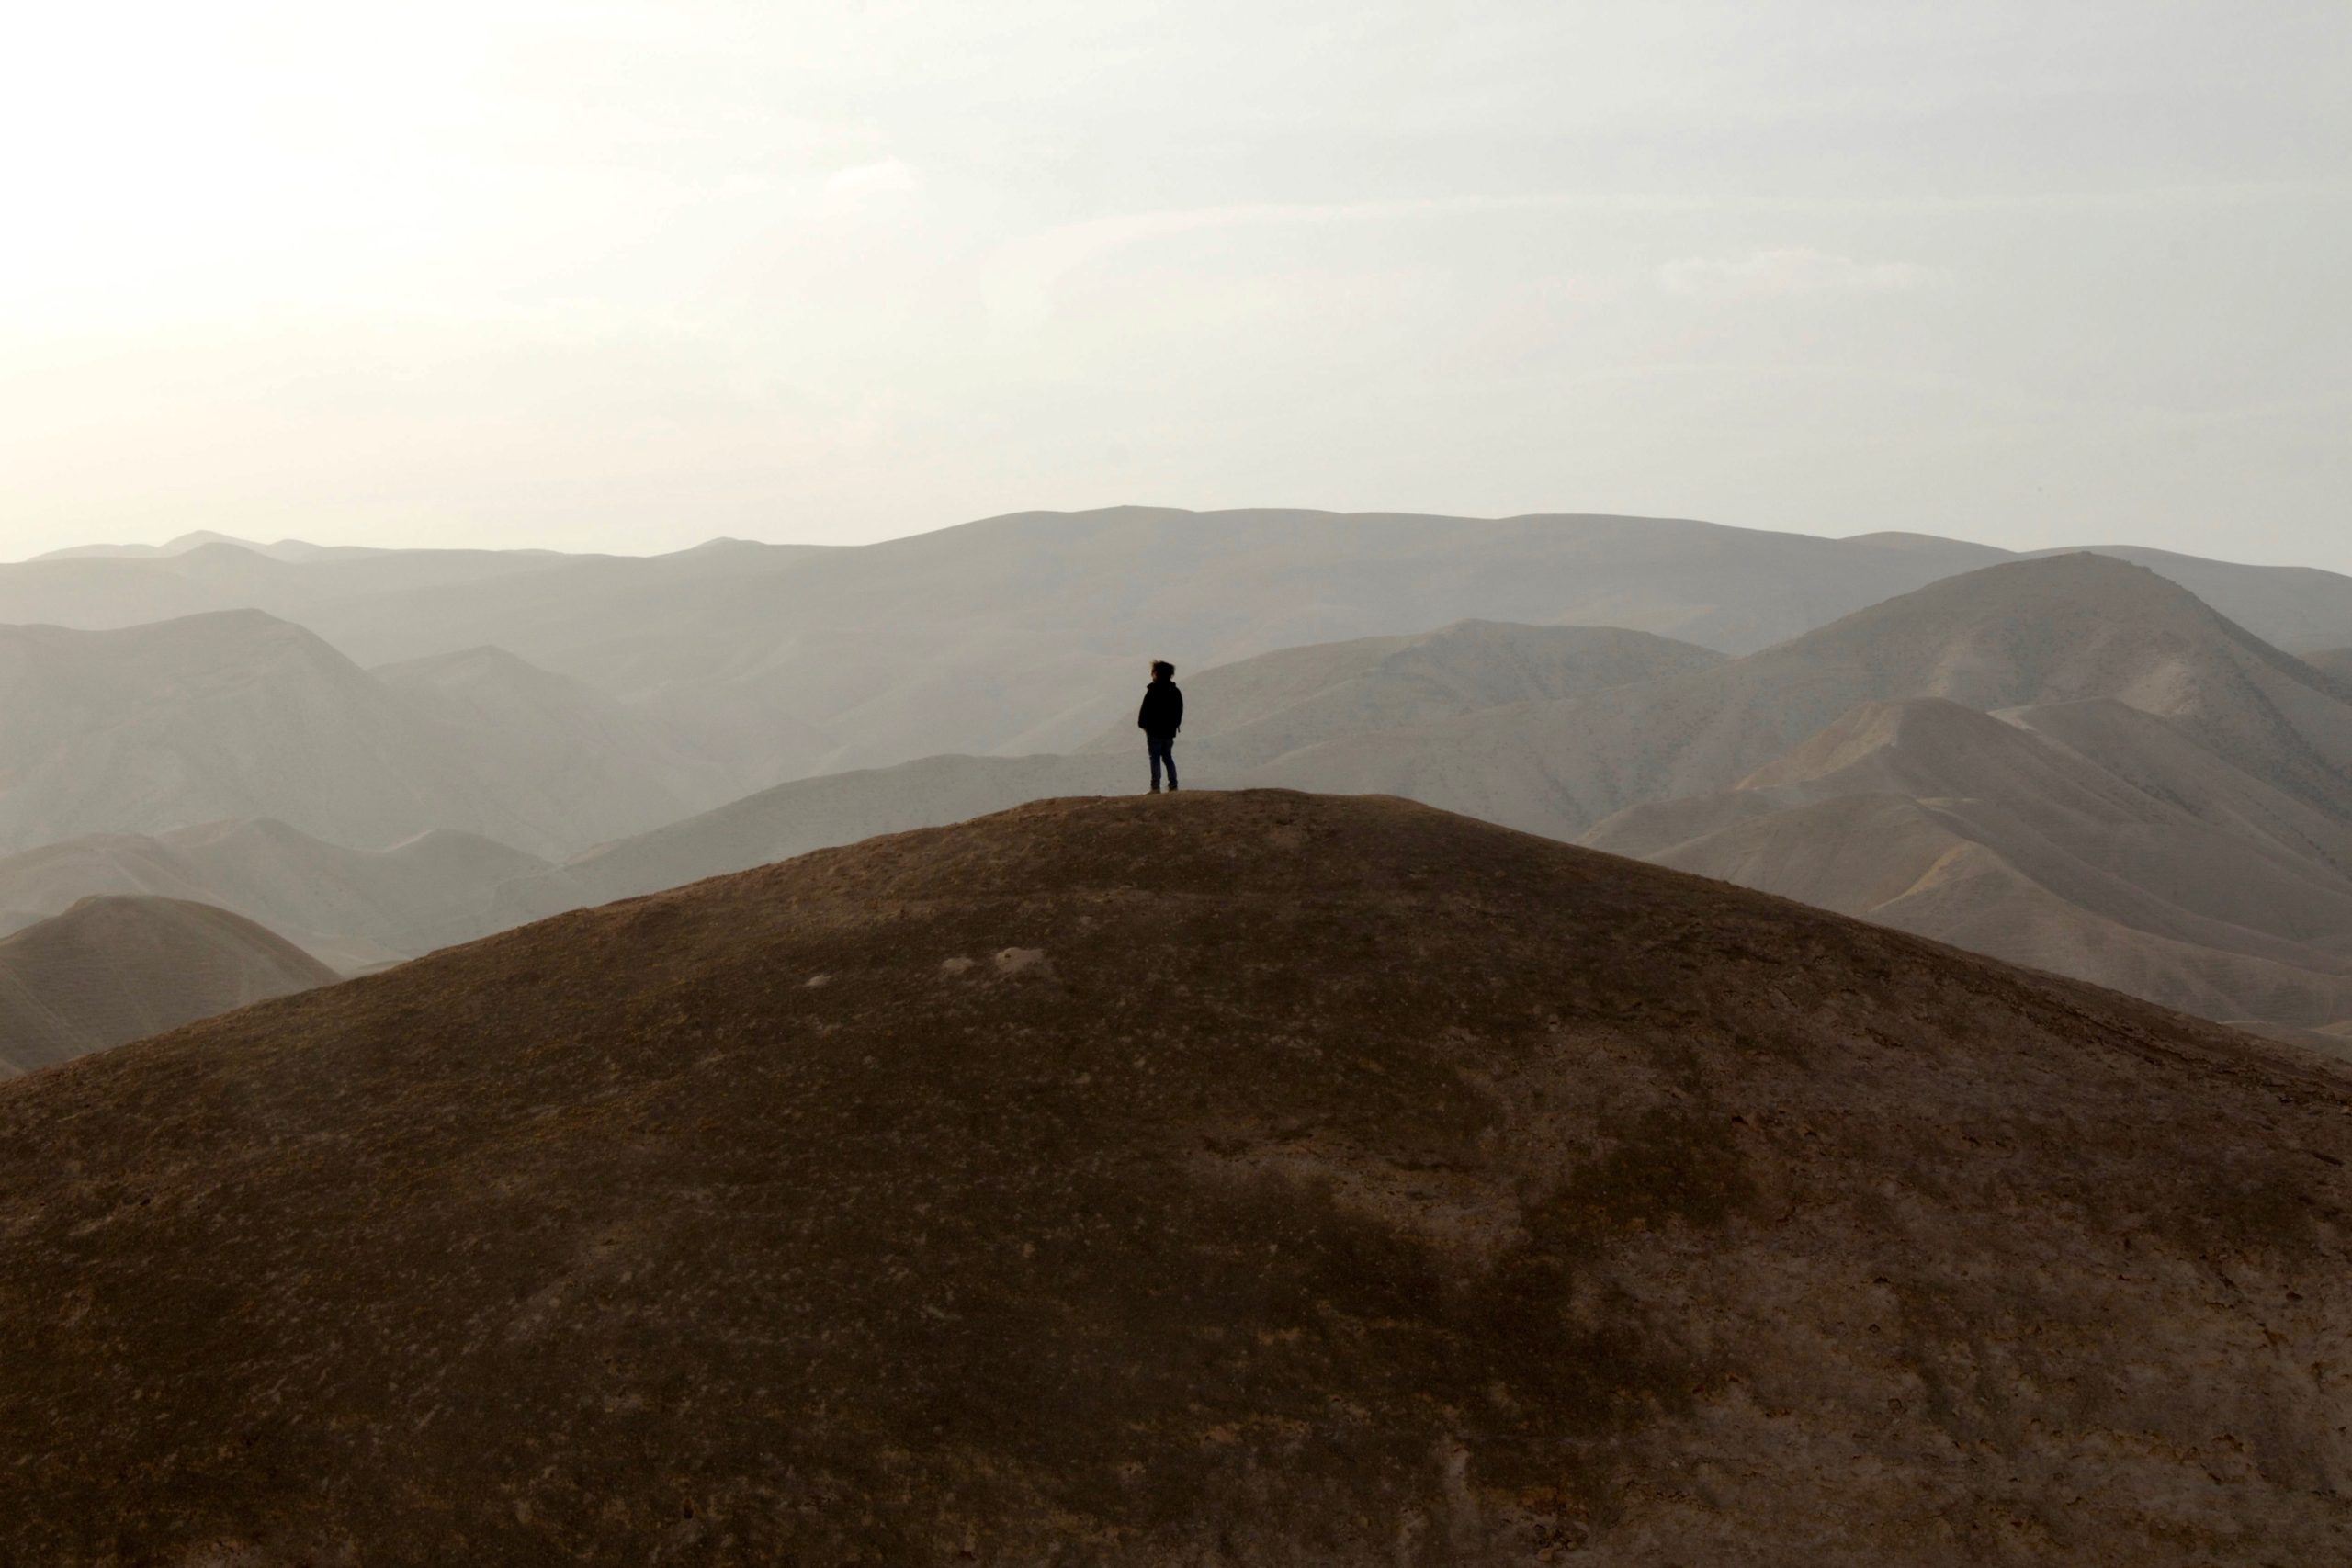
(1171, 789)
(1155, 789)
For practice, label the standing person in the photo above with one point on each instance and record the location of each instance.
(1161, 715)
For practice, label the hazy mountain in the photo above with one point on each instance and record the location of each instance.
(2170, 813)
(1247, 713)
(2333, 661)
(567, 751)
(2050, 631)
(378, 606)
(1025, 633)
(109, 970)
(1937, 819)
(1237, 715)
(352, 908)
(1009, 635)
(236, 715)
(178, 547)
(2197, 854)
(284, 550)
(96, 595)
(2155, 757)
(1254, 1178)
(218, 716)
(806, 814)
(2053, 633)
(1547, 727)
(1030, 619)
(2291, 606)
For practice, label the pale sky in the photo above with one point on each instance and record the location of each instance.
(621, 275)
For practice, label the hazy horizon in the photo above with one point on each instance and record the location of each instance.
(2221, 553)
(628, 277)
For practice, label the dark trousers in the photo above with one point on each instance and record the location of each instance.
(1162, 747)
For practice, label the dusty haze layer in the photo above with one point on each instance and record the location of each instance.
(745, 665)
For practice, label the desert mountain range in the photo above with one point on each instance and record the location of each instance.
(1020, 634)
(2099, 763)
(1257, 709)
(1229, 1177)
(354, 909)
(2053, 630)
(235, 714)
(2070, 763)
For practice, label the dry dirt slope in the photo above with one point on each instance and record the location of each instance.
(1256, 1178)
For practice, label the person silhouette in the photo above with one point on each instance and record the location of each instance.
(1161, 715)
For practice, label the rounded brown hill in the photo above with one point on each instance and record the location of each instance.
(1254, 1178)
(115, 967)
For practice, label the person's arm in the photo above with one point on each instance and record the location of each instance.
(1143, 713)
(1175, 710)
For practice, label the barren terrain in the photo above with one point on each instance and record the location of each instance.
(1254, 1177)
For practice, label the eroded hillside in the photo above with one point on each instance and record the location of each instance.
(1254, 1177)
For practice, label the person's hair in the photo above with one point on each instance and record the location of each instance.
(1163, 670)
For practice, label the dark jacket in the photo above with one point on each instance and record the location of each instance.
(1163, 709)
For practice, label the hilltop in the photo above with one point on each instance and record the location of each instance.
(1252, 1177)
